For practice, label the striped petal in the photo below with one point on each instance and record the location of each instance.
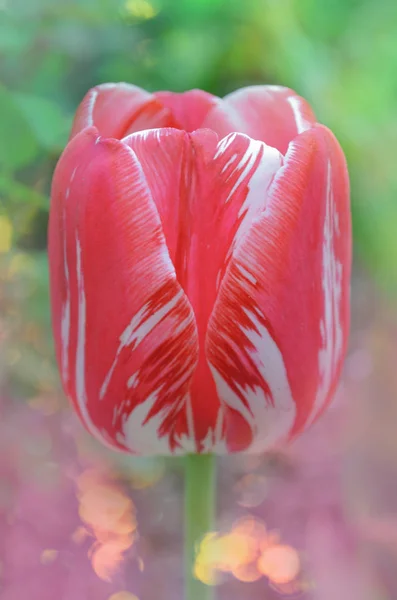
(273, 114)
(208, 194)
(278, 332)
(117, 109)
(125, 333)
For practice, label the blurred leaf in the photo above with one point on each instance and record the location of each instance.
(13, 38)
(19, 192)
(50, 126)
(18, 145)
(184, 57)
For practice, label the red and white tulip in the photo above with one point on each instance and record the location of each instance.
(200, 253)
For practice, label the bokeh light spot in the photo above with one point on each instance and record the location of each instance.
(109, 515)
(140, 9)
(281, 564)
(252, 490)
(246, 573)
(48, 556)
(123, 596)
(106, 559)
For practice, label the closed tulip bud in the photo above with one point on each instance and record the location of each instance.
(200, 253)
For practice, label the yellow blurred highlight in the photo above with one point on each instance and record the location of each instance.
(140, 9)
(5, 234)
(20, 263)
(109, 515)
(281, 564)
(235, 552)
(46, 404)
(147, 475)
(123, 596)
(48, 556)
(247, 552)
(205, 567)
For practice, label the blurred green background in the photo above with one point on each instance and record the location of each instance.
(341, 55)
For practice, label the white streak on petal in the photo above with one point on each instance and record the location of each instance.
(270, 420)
(139, 432)
(219, 424)
(275, 88)
(133, 380)
(190, 419)
(65, 321)
(143, 135)
(81, 394)
(258, 179)
(229, 162)
(140, 326)
(90, 108)
(330, 326)
(246, 274)
(213, 444)
(301, 123)
(186, 445)
(224, 144)
(81, 318)
(214, 441)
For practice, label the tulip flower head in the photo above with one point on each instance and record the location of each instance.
(200, 253)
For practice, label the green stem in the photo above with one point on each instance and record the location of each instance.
(199, 517)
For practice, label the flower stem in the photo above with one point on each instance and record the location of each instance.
(199, 517)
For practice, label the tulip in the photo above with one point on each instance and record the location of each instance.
(200, 253)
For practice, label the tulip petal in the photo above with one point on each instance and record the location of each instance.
(273, 114)
(208, 194)
(189, 108)
(117, 109)
(161, 154)
(277, 336)
(125, 334)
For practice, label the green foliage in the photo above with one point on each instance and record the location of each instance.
(18, 146)
(341, 55)
(45, 119)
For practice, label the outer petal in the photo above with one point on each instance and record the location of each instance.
(190, 108)
(117, 109)
(273, 114)
(278, 333)
(125, 333)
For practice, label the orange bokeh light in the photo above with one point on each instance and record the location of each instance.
(109, 515)
(123, 596)
(106, 558)
(247, 573)
(281, 564)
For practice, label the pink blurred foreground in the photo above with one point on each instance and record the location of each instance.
(317, 522)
